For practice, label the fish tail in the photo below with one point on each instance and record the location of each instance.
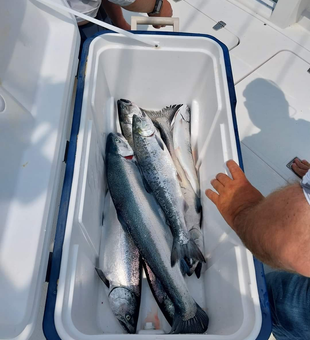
(167, 112)
(192, 266)
(170, 111)
(198, 205)
(189, 250)
(193, 251)
(198, 270)
(198, 324)
(184, 268)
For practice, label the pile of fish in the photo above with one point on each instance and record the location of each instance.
(154, 186)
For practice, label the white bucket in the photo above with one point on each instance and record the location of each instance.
(185, 69)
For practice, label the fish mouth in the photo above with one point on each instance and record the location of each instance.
(126, 101)
(123, 106)
(127, 329)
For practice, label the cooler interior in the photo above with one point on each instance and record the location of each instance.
(183, 70)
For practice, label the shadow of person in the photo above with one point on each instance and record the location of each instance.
(274, 132)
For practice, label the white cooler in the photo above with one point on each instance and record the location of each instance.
(186, 68)
(189, 69)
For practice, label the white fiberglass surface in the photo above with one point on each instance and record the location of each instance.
(194, 76)
(273, 113)
(37, 71)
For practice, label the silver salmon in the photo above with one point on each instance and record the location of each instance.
(135, 209)
(161, 179)
(121, 270)
(182, 145)
(183, 150)
(163, 121)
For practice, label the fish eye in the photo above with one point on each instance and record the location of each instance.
(128, 317)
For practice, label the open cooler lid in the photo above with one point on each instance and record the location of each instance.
(38, 63)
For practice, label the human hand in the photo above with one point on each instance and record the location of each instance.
(300, 167)
(233, 195)
(166, 11)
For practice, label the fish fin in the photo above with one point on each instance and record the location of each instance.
(189, 250)
(145, 183)
(190, 273)
(102, 277)
(160, 143)
(184, 268)
(174, 111)
(122, 222)
(170, 111)
(197, 324)
(198, 270)
(198, 193)
(198, 206)
(167, 112)
(193, 251)
(186, 115)
(146, 186)
(191, 264)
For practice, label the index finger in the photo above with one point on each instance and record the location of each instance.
(212, 196)
(235, 170)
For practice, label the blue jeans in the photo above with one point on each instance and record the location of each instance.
(289, 296)
(88, 30)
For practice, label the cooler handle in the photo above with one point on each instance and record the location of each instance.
(139, 20)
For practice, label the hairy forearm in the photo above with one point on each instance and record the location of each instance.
(277, 230)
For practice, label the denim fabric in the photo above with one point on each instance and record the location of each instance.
(289, 296)
(90, 29)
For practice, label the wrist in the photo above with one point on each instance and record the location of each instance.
(244, 218)
(239, 224)
(254, 234)
(165, 11)
(156, 8)
(248, 199)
